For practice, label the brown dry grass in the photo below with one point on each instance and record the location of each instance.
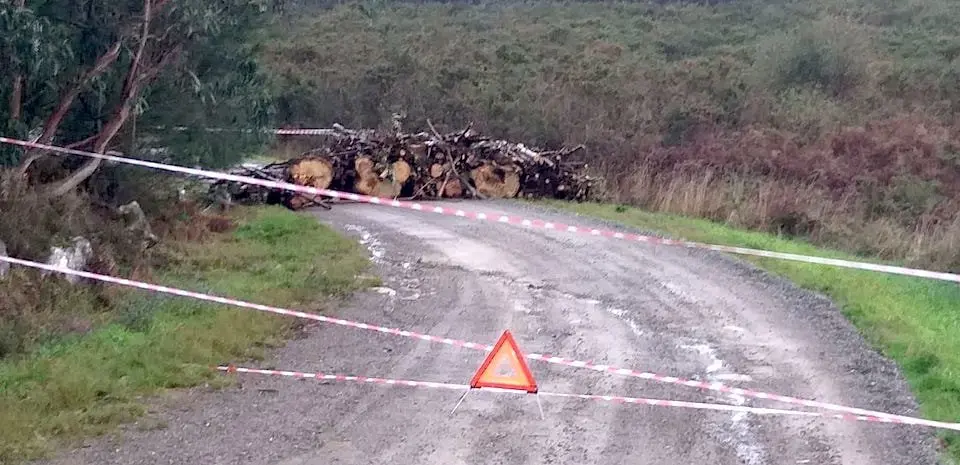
(888, 188)
(793, 209)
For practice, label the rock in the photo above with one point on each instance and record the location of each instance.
(74, 257)
(138, 222)
(4, 266)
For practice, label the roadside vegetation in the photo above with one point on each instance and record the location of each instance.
(99, 75)
(911, 320)
(89, 354)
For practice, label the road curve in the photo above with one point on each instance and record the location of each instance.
(667, 310)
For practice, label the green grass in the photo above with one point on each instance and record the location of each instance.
(914, 321)
(88, 385)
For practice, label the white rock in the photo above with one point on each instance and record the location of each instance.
(74, 257)
(138, 222)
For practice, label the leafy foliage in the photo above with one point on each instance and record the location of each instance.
(210, 79)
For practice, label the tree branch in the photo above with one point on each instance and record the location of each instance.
(151, 73)
(82, 143)
(131, 90)
(66, 101)
(138, 57)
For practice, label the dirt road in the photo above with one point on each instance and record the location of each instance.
(666, 310)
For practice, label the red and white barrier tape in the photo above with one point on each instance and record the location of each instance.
(305, 132)
(717, 387)
(354, 379)
(278, 131)
(498, 218)
(615, 399)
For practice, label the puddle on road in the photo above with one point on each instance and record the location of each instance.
(368, 240)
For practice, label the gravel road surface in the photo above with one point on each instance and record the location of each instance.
(667, 310)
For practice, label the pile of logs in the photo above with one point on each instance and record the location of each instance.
(425, 165)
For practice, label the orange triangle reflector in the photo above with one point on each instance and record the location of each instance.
(505, 352)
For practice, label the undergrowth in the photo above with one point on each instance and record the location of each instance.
(83, 383)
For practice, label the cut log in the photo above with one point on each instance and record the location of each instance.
(401, 172)
(511, 182)
(500, 182)
(367, 183)
(453, 189)
(363, 165)
(436, 170)
(312, 171)
(388, 189)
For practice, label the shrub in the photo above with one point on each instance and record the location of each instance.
(828, 54)
(807, 112)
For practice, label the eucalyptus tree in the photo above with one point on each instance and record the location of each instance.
(106, 74)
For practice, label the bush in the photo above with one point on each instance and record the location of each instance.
(808, 112)
(830, 55)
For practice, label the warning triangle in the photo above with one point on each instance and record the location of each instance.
(505, 352)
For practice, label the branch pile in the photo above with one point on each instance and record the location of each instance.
(425, 165)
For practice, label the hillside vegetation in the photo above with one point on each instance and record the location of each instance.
(834, 120)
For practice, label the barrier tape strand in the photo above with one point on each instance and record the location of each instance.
(711, 386)
(592, 397)
(498, 218)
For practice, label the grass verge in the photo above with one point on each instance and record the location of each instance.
(911, 320)
(89, 384)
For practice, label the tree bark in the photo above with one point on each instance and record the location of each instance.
(16, 96)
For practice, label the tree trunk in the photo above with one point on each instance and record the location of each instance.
(137, 76)
(16, 98)
(16, 95)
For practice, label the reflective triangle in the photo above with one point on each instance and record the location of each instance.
(505, 354)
